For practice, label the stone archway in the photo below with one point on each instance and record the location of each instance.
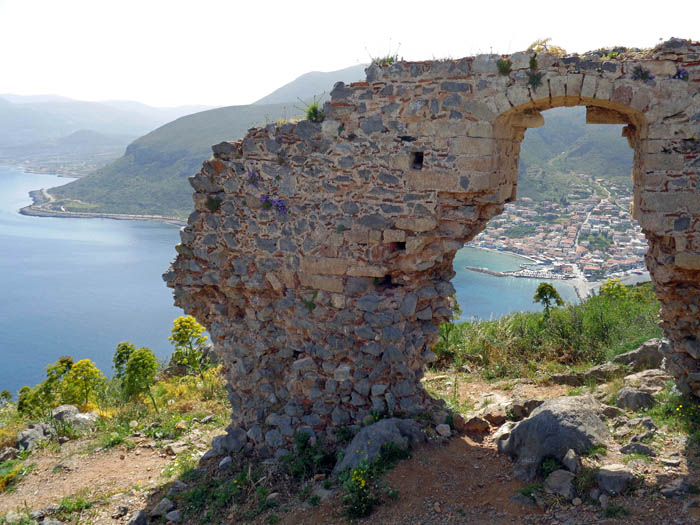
(319, 255)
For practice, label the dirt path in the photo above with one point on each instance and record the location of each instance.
(70, 472)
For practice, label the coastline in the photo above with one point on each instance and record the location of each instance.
(582, 287)
(42, 197)
(34, 211)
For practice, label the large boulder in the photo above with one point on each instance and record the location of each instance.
(367, 444)
(34, 434)
(555, 427)
(649, 355)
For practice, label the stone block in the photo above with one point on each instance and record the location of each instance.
(367, 271)
(416, 224)
(476, 147)
(394, 236)
(324, 265)
(519, 95)
(688, 260)
(574, 82)
(321, 282)
(589, 86)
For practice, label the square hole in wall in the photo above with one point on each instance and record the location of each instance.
(417, 160)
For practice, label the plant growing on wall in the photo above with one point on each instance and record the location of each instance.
(278, 204)
(543, 45)
(641, 73)
(534, 77)
(504, 66)
(681, 74)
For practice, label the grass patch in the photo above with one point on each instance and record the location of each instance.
(12, 472)
(677, 412)
(72, 505)
(518, 345)
(600, 450)
(636, 455)
(614, 510)
(531, 489)
(549, 465)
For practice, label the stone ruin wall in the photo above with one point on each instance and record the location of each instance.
(319, 255)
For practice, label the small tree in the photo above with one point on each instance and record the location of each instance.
(614, 289)
(5, 397)
(189, 344)
(51, 389)
(121, 358)
(83, 381)
(546, 295)
(140, 373)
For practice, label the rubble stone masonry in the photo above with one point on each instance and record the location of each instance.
(319, 255)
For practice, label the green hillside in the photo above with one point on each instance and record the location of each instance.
(151, 177)
(553, 155)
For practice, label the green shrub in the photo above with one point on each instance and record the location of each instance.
(504, 66)
(314, 113)
(189, 341)
(518, 344)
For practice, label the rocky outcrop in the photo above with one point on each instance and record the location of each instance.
(649, 354)
(553, 429)
(319, 254)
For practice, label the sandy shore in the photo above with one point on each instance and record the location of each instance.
(35, 211)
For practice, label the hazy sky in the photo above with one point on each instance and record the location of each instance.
(216, 52)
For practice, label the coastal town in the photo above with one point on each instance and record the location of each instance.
(589, 235)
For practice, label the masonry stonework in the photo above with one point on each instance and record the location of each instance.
(319, 255)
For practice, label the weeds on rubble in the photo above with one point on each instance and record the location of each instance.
(534, 79)
(681, 74)
(310, 457)
(313, 111)
(614, 510)
(363, 487)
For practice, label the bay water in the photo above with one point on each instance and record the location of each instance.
(80, 286)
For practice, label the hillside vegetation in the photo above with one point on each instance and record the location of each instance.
(527, 344)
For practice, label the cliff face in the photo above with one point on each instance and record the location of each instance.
(319, 255)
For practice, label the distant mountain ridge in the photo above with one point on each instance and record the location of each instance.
(313, 83)
(29, 119)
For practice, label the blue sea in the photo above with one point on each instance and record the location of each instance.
(80, 286)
